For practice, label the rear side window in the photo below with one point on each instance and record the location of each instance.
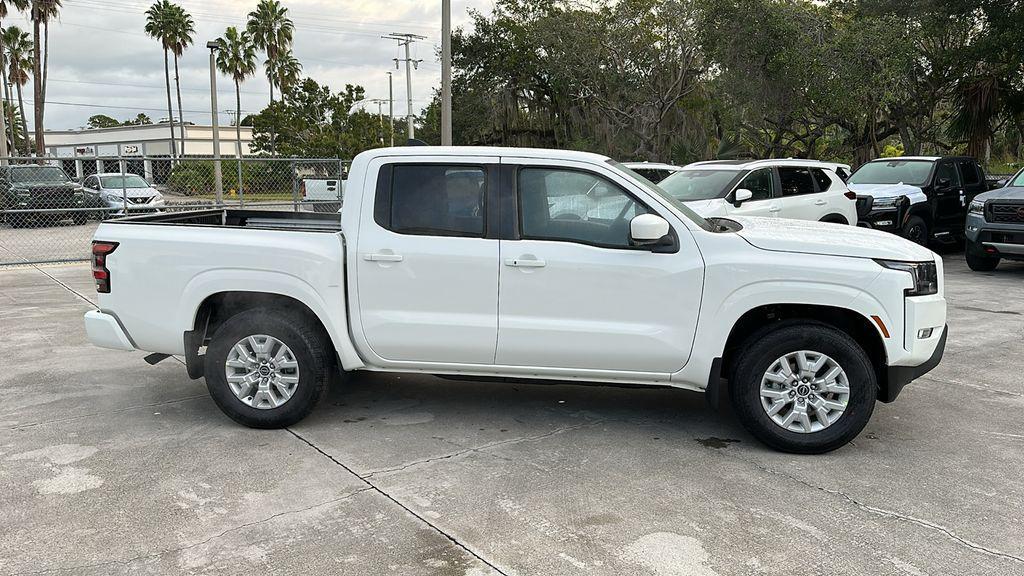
(822, 178)
(796, 180)
(432, 200)
(969, 172)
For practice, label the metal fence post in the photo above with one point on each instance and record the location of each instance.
(240, 187)
(295, 187)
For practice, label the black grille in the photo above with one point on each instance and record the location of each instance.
(140, 200)
(864, 205)
(1010, 213)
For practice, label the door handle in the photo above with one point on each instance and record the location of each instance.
(382, 257)
(521, 263)
(820, 202)
(774, 208)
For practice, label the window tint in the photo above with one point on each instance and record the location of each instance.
(822, 178)
(947, 170)
(796, 181)
(760, 183)
(969, 173)
(574, 206)
(437, 200)
(90, 182)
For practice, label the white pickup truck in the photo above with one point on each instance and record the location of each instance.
(451, 261)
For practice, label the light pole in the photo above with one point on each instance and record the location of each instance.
(218, 176)
(406, 40)
(391, 107)
(446, 72)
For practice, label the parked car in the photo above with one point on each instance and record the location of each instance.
(38, 193)
(995, 226)
(653, 171)
(797, 189)
(842, 170)
(119, 194)
(809, 323)
(322, 194)
(917, 197)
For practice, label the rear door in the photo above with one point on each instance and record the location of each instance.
(427, 265)
(574, 293)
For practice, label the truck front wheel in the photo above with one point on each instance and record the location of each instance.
(267, 368)
(978, 260)
(803, 387)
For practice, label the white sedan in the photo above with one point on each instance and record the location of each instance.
(124, 193)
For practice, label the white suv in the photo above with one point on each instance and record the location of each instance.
(797, 189)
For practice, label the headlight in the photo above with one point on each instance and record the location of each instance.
(157, 197)
(887, 203)
(925, 275)
(112, 197)
(977, 207)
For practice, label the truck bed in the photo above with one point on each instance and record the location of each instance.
(241, 218)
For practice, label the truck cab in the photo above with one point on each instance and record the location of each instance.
(917, 197)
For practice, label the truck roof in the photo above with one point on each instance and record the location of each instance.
(484, 151)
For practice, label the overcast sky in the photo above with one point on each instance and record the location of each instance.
(101, 61)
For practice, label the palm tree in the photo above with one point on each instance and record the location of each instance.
(289, 69)
(182, 27)
(236, 57)
(160, 26)
(5, 6)
(272, 32)
(42, 11)
(20, 60)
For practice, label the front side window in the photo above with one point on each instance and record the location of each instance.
(760, 183)
(796, 181)
(573, 206)
(969, 172)
(947, 171)
(436, 200)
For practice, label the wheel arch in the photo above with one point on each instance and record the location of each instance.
(844, 319)
(834, 218)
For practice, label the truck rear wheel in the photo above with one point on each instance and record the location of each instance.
(803, 387)
(267, 368)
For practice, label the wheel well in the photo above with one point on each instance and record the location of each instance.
(217, 308)
(848, 321)
(835, 218)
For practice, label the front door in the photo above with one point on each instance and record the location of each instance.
(765, 201)
(427, 270)
(950, 200)
(575, 294)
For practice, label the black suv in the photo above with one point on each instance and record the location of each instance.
(42, 192)
(917, 197)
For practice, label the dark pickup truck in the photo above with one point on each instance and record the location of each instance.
(917, 197)
(30, 192)
(995, 226)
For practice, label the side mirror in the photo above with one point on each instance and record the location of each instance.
(740, 196)
(943, 183)
(76, 179)
(648, 229)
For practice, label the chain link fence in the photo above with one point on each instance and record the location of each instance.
(50, 207)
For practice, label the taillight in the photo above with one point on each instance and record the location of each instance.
(850, 194)
(100, 250)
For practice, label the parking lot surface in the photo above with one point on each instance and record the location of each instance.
(111, 466)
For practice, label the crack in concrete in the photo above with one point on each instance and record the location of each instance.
(66, 287)
(931, 378)
(94, 414)
(151, 555)
(481, 449)
(375, 488)
(949, 533)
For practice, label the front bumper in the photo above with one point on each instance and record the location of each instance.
(105, 331)
(885, 220)
(900, 376)
(1006, 238)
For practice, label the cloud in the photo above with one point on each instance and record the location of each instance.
(101, 59)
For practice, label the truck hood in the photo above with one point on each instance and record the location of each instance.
(46, 186)
(885, 190)
(1007, 193)
(785, 235)
(707, 208)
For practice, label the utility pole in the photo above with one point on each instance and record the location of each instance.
(4, 152)
(391, 106)
(407, 40)
(446, 72)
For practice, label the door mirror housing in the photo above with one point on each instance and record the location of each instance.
(740, 196)
(652, 231)
(943, 183)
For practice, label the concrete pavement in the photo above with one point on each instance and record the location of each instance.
(111, 466)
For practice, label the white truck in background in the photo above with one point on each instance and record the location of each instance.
(451, 261)
(322, 194)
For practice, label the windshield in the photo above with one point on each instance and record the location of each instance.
(654, 189)
(38, 174)
(127, 181)
(699, 184)
(1019, 180)
(913, 172)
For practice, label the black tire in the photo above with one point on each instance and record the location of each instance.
(916, 230)
(80, 218)
(309, 345)
(771, 343)
(978, 260)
